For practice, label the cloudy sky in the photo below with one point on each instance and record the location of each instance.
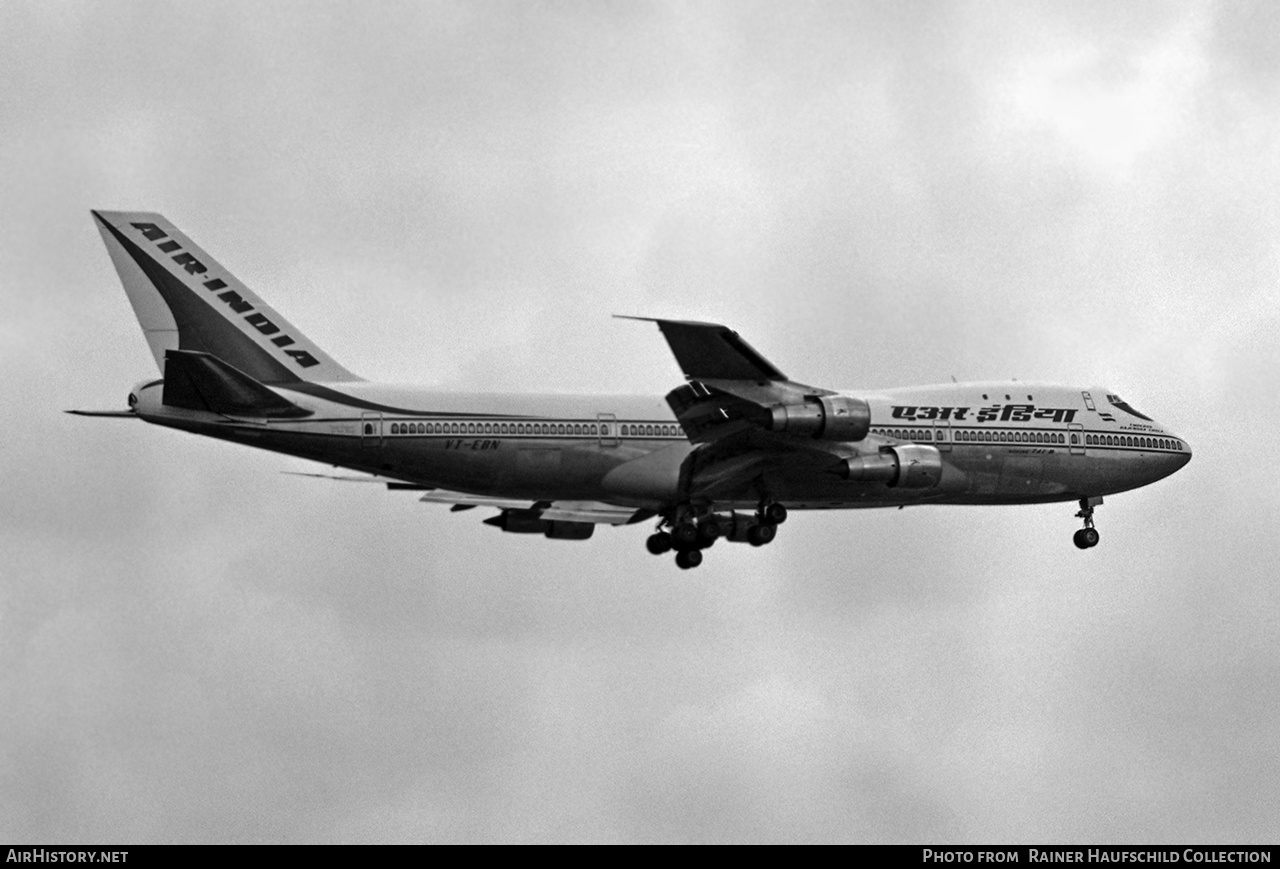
(195, 648)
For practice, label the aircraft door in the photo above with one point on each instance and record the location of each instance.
(942, 435)
(608, 423)
(371, 429)
(1075, 438)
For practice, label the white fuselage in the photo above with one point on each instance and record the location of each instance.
(1006, 442)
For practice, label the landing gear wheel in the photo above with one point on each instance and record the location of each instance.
(708, 531)
(1086, 537)
(658, 543)
(759, 535)
(684, 535)
(774, 514)
(688, 559)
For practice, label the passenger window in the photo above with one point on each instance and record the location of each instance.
(604, 428)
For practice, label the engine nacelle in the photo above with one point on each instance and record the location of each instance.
(529, 522)
(908, 466)
(829, 417)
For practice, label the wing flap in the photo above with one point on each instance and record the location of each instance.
(595, 512)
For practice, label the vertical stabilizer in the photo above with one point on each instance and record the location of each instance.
(185, 300)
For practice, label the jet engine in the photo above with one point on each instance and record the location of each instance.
(828, 417)
(907, 466)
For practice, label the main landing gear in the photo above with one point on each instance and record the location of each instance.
(689, 534)
(1087, 537)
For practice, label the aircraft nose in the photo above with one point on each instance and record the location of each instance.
(1176, 460)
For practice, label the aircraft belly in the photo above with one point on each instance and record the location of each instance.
(539, 470)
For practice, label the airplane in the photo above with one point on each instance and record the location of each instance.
(724, 456)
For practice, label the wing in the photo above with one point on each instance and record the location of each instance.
(748, 418)
(591, 512)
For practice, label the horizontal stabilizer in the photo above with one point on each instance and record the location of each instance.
(120, 414)
(199, 381)
(394, 485)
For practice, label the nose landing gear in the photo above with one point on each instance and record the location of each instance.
(1087, 537)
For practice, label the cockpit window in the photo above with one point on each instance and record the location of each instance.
(1117, 401)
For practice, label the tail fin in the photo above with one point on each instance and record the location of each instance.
(185, 300)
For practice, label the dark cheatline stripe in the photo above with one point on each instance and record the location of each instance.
(201, 326)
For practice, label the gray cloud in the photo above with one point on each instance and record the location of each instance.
(196, 648)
